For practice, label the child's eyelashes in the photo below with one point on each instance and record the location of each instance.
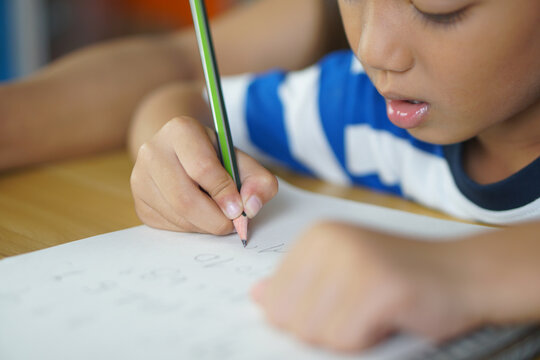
(441, 19)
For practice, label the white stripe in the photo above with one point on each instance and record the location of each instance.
(368, 151)
(356, 66)
(423, 177)
(235, 96)
(299, 94)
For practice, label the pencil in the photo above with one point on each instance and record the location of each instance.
(215, 96)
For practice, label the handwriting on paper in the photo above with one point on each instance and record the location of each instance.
(142, 293)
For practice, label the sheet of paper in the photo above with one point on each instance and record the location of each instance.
(148, 294)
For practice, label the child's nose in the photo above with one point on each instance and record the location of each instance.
(382, 43)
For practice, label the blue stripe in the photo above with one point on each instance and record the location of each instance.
(344, 99)
(334, 88)
(265, 120)
(6, 52)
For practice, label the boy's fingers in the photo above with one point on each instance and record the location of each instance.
(258, 290)
(151, 206)
(359, 324)
(176, 197)
(187, 201)
(205, 169)
(153, 218)
(258, 184)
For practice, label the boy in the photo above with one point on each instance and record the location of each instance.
(460, 84)
(438, 289)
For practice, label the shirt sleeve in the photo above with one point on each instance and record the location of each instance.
(277, 116)
(326, 121)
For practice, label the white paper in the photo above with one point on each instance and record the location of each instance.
(148, 294)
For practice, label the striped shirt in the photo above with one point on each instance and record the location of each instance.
(330, 122)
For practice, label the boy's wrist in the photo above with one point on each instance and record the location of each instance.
(485, 267)
(468, 280)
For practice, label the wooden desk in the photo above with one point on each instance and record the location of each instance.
(54, 204)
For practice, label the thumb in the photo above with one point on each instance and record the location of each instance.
(258, 184)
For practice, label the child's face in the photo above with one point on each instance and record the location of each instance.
(473, 65)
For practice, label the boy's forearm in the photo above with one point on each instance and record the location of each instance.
(83, 103)
(267, 34)
(500, 273)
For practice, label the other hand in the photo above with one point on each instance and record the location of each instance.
(346, 288)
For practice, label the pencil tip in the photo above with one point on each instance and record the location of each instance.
(241, 226)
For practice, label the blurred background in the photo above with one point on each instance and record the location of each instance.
(34, 32)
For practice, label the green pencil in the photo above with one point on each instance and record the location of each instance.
(215, 96)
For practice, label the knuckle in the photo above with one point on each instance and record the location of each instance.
(204, 168)
(182, 204)
(145, 153)
(272, 184)
(269, 183)
(261, 182)
(222, 185)
(180, 124)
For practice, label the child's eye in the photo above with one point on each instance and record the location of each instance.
(447, 19)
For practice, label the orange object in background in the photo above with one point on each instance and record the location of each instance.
(172, 12)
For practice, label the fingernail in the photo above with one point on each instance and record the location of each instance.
(253, 205)
(233, 209)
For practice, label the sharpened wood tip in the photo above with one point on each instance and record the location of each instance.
(241, 226)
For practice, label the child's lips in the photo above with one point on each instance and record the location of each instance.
(406, 114)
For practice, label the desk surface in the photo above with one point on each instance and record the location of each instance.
(54, 204)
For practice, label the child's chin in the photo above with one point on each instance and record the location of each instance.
(436, 136)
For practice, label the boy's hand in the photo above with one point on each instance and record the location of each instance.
(179, 184)
(346, 288)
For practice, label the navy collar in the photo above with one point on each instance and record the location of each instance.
(513, 192)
